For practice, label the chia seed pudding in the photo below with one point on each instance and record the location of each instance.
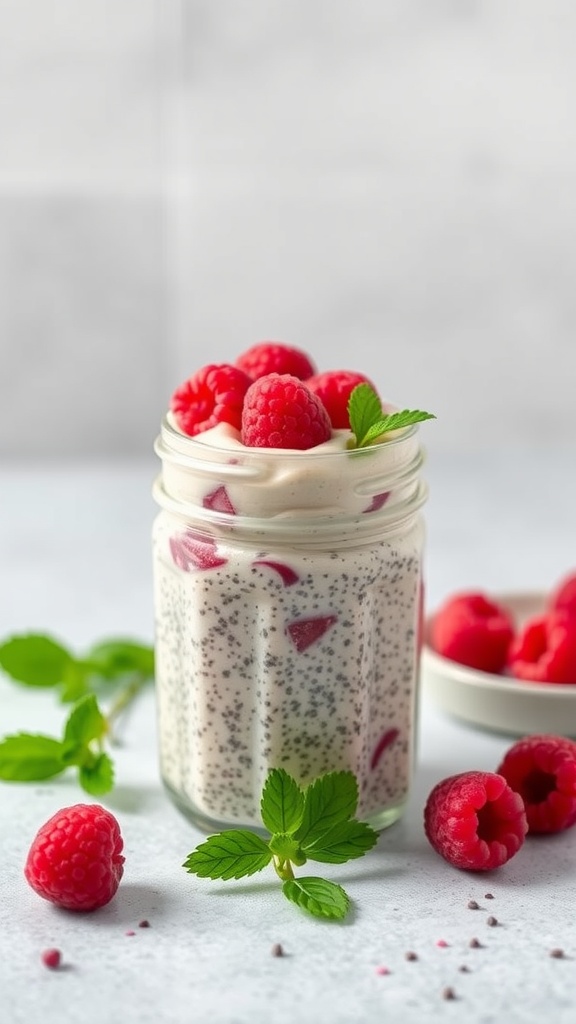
(288, 601)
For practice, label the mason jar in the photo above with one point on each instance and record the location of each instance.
(288, 607)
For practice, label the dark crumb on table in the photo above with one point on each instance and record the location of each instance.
(464, 969)
(277, 949)
(492, 921)
(488, 896)
(448, 992)
(473, 905)
(144, 924)
(475, 944)
(558, 954)
(410, 955)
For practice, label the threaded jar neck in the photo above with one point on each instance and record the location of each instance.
(328, 492)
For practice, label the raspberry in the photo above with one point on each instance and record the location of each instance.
(545, 649)
(542, 769)
(214, 394)
(280, 412)
(473, 630)
(75, 860)
(563, 597)
(475, 820)
(334, 388)
(275, 357)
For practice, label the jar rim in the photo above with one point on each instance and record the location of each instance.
(172, 440)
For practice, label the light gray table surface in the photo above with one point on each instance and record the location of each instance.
(75, 562)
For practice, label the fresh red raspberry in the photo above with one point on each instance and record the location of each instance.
(542, 769)
(334, 388)
(544, 651)
(214, 394)
(473, 630)
(75, 860)
(275, 357)
(280, 412)
(475, 820)
(563, 597)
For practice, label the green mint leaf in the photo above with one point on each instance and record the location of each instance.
(234, 853)
(97, 778)
(114, 658)
(75, 682)
(329, 800)
(369, 422)
(394, 421)
(282, 802)
(285, 848)
(344, 841)
(35, 659)
(318, 896)
(85, 722)
(25, 757)
(364, 409)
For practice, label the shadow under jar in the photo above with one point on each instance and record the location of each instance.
(288, 612)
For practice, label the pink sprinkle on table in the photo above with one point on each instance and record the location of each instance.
(130, 933)
(51, 958)
(442, 944)
(382, 970)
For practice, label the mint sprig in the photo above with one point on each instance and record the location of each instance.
(314, 823)
(31, 757)
(40, 661)
(368, 421)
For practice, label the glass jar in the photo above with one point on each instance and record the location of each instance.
(288, 608)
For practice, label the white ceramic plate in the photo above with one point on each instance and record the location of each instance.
(500, 703)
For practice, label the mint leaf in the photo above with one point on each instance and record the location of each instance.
(114, 658)
(75, 682)
(364, 409)
(394, 421)
(318, 896)
(369, 422)
(328, 800)
(26, 757)
(344, 841)
(231, 854)
(34, 659)
(97, 778)
(85, 722)
(282, 802)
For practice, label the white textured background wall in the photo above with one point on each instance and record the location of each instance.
(387, 183)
